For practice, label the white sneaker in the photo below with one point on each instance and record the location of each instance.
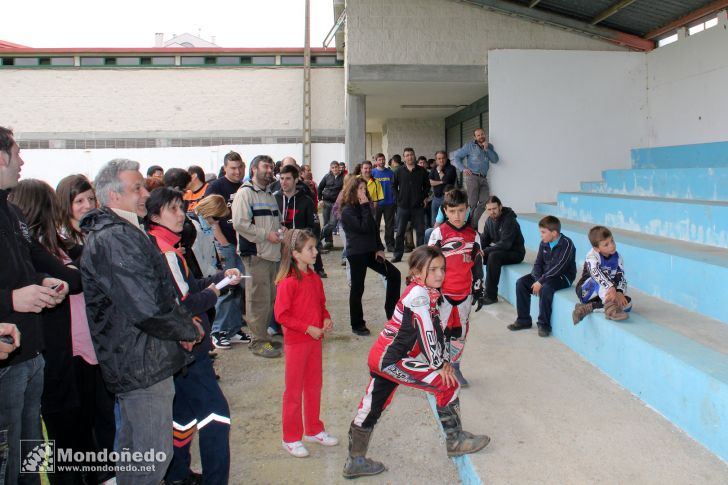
(296, 449)
(323, 438)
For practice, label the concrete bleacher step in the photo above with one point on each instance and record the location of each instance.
(684, 183)
(554, 418)
(686, 274)
(674, 360)
(697, 221)
(596, 186)
(547, 208)
(682, 156)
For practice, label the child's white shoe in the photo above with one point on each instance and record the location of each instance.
(323, 438)
(296, 449)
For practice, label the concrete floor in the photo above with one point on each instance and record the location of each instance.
(552, 417)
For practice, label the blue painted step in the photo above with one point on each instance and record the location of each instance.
(597, 186)
(685, 381)
(682, 156)
(689, 275)
(547, 208)
(677, 183)
(702, 222)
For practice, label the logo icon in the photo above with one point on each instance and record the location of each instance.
(37, 456)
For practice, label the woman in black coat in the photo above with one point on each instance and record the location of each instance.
(364, 250)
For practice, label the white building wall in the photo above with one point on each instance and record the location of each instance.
(178, 99)
(687, 89)
(561, 117)
(445, 32)
(52, 165)
(425, 136)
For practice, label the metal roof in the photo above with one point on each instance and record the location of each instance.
(638, 17)
(632, 23)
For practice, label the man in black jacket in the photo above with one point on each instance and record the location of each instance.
(502, 243)
(328, 190)
(300, 184)
(411, 186)
(296, 207)
(140, 333)
(24, 293)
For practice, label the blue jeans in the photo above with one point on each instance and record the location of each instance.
(21, 386)
(546, 298)
(428, 233)
(330, 222)
(228, 309)
(436, 204)
(146, 416)
(273, 324)
(3, 454)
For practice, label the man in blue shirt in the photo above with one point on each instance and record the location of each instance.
(480, 154)
(385, 207)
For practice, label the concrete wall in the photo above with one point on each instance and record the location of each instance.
(444, 32)
(561, 117)
(425, 136)
(374, 145)
(687, 81)
(53, 165)
(152, 100)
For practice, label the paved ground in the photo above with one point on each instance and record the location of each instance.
(553, 418)
(407, 438)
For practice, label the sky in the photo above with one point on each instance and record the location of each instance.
(133, 23)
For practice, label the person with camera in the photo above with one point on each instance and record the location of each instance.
(364, 250)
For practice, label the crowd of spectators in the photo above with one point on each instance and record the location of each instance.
(118, 292)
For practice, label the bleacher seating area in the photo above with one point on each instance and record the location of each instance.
(669, 215)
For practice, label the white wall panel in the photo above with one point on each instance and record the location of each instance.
(561, 117)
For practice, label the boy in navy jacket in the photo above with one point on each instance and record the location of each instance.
(554, 269)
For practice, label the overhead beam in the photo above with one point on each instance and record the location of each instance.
(533, 3)
(611, 11)
(543, 17)
(686, 19)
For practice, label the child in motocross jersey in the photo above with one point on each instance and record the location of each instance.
(410, 350)
(463, 285)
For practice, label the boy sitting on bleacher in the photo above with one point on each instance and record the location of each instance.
(554, 269)
(602, 283)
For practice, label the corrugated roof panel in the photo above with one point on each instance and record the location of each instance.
(644, 16)
(638, 18)
(576, 9)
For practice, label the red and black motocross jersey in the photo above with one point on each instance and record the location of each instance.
(413, 332)
(461, 248)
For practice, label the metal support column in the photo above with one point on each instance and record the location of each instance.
(307, 89)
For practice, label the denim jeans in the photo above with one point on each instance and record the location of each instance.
(3, 454)
(436, 204)
(146, 424)
(545, 299)
(428, 233)
(330, 222)
(228, 309)
(21, 386)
